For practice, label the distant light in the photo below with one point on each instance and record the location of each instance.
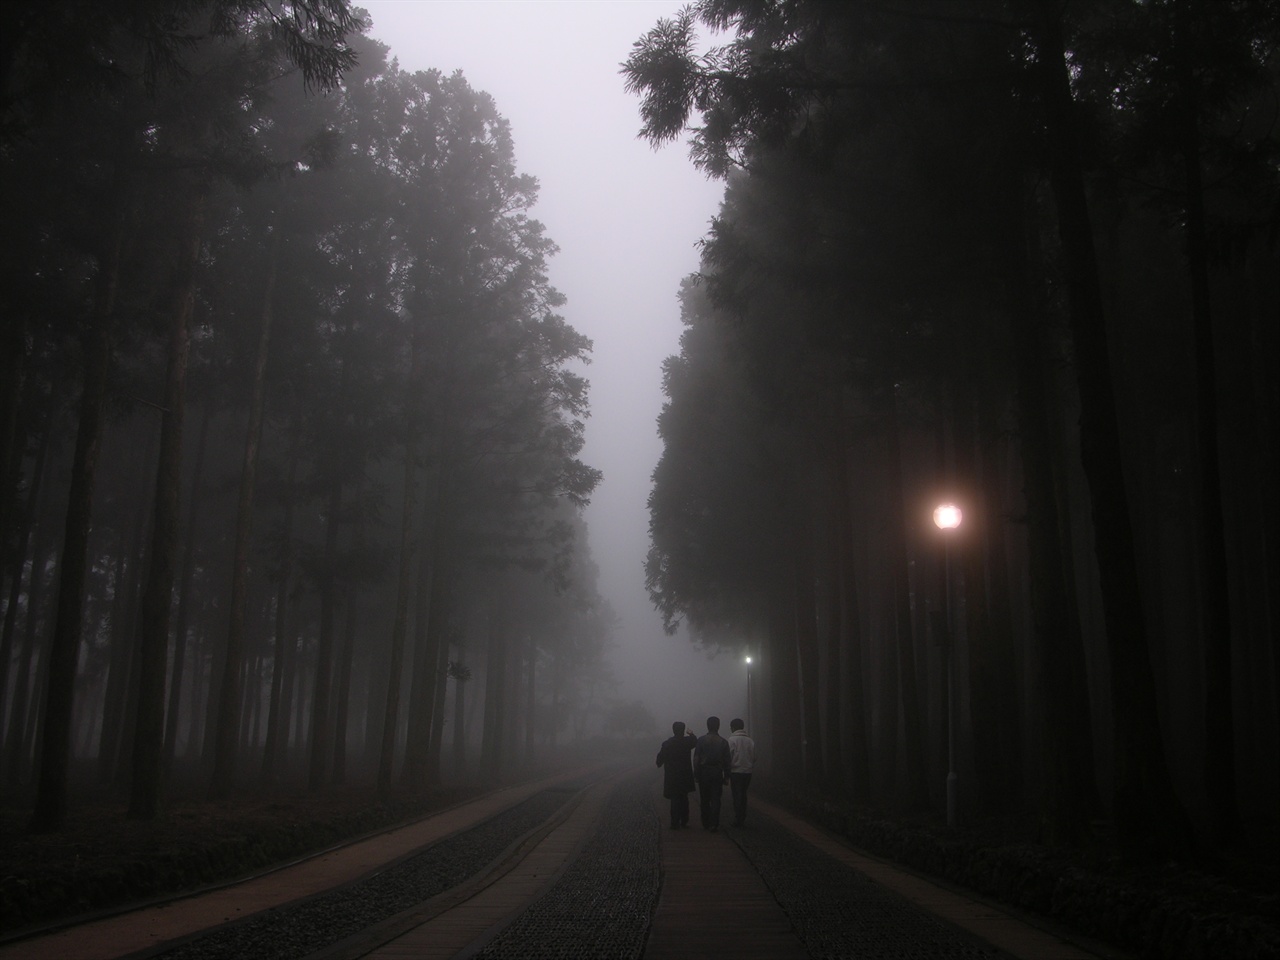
(748, 660)
(947, 516)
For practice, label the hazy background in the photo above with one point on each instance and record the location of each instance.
(627, 220)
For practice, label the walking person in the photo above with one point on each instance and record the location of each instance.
(711, 769)
(742, 758)
(677, 772)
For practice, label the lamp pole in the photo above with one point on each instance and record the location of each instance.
(947, 516)
(750, 722)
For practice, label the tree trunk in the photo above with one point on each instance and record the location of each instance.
(35, 499)
(244, 722)
(912, 735)
(10, 627)
(400, 622)
(1069, 791)
(857, 757)
(157, 597)
(783, 672)
(124, 622)
(530, 700)
(224, 750)
(321, 694)
(342, 695)
(120, 700)
(495, 674)
(13, 357)
(435, 745)
(833, 689)
(23, 720)
(995, 665)
(33, 740)
(556, 706)
(285, 644)
(297, 691)
(6, 646)
(253, 697)
(51, 796)
(182, 622)
(887, 757)
(417, 748)
(209, 707)
(1220, 742)
(974, 628)
(200, 682)
(1146, 810)
(459, 728)
(806, 640)
(511, 703)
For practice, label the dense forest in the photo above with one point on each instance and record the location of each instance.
(1020, 256)
(290, 422)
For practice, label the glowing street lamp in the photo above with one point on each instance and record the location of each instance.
(947, 516)
(751, 730)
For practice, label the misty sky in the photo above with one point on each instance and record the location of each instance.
(627, 220)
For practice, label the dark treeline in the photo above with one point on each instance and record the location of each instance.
(290, 422)
(1019, 255)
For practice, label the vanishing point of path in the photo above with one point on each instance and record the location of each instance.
(574, 866)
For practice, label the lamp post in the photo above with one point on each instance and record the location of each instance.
(750, 727)
(947, 516)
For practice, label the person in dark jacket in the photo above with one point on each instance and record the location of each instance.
(677, 773)
(711, 770)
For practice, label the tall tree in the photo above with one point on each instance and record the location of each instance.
(1146, 808)
(142, 67)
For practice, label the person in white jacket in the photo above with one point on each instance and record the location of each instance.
(742, 759)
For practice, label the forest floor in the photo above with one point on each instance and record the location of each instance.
(103, 860)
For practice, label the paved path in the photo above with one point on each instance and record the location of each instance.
(713, 903)
(603, 878)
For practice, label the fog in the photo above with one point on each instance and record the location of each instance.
(627, 221)
(289, 465)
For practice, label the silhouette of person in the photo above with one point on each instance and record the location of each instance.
(711, 769)
(677, 772)
(742, 758)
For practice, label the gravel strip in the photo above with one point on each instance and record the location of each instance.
(294, 931)
(602, 903)
(841, 913)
